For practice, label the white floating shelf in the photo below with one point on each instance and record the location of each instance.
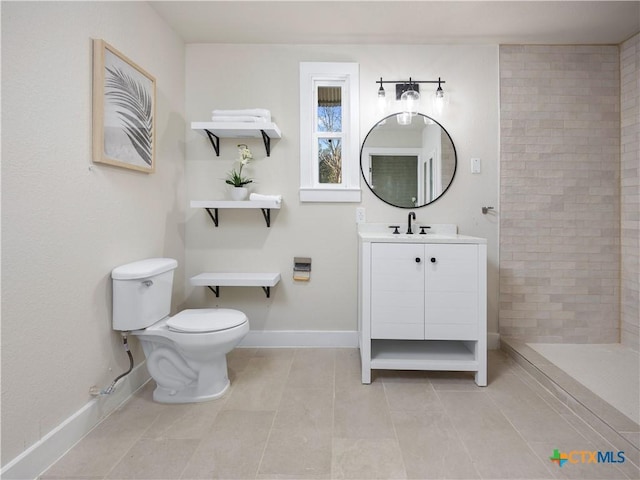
(236, 279)
(216, 280)
(238, 129)
(212, 206)
(217, 130)
(235, 204)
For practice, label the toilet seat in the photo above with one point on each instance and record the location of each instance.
(202, 320)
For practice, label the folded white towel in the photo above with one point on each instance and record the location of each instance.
(252, 112)
(239, 118)
(258, 197)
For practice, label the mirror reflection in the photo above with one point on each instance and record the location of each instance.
(408, 162)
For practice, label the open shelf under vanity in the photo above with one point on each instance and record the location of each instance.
(423, 355)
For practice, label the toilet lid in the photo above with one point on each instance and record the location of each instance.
(206, 320)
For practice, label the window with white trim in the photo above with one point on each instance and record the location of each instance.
(329, 132)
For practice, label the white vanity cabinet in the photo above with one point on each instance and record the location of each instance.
(422, 303)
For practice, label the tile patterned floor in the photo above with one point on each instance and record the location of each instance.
(303, 414)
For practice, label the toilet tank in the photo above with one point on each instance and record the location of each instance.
(142, 292)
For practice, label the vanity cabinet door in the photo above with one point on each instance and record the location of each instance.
(451, 292)
(397, 291)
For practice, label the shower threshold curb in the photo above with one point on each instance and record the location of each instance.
(618, 429)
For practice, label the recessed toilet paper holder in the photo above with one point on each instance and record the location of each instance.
(301, 268)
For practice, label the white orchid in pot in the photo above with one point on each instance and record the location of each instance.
(235, 178)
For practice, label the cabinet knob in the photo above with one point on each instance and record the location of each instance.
(418, 260)
(433, 259)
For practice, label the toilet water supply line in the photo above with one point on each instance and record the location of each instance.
(109, 390)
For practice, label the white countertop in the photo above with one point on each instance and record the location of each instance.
(438, 233)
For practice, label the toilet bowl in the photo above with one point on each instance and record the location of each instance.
(190, 364)
(186, 353)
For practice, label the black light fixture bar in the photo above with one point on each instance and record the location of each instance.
(411, 84)
(410, 81)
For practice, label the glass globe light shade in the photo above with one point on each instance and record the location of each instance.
(410, 100)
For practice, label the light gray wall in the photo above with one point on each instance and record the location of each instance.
(266, 76)
(67, 222)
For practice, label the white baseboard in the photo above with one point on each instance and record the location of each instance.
(44, 453)
(319, 338)
(300, 338)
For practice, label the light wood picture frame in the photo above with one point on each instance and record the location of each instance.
(124, 111)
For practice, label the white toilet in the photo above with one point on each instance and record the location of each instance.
(187, 353)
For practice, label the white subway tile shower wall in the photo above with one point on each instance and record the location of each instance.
(630, 191)
(560, 193)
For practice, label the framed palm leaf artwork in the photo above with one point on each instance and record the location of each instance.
(124, 104)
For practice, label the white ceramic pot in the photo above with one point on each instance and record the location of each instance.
(239, 193)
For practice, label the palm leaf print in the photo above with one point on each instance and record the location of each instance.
(136, 110)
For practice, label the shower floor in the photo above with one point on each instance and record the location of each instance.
(600, 383)
(611, 371)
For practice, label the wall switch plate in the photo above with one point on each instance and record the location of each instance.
(361, 217)
(475, 165)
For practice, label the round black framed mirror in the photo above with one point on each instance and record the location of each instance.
(408, 161)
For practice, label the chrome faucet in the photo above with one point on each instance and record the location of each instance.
(411, 215)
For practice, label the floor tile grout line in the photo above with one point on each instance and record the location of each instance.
(521, 435)
(224, 402)
(138, 438)
(193, 452)
(395, 431)
(533, 385)
(275, 414)
(453, 425)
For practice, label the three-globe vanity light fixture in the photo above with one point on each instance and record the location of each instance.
(408, 92)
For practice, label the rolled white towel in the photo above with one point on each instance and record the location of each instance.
(251, 112)
(256, 197)
(239, 118)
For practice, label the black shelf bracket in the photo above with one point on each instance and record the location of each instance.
(216, 290)
(215, 141)
(267, 142)
(213, 214)
(266, 213)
